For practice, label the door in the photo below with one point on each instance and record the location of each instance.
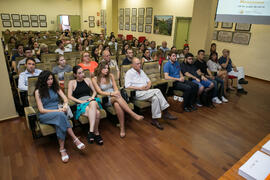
(181, 35)
(75, 22)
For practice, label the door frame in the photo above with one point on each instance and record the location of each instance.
(175, 26)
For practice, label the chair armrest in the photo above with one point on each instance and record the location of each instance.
(131, 93)
(104, 99)
(31, 118)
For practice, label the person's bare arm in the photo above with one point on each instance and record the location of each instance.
(99, 91)
(70, 91)
(64, 98)
(89, 82)
(167, 77)
(191, 76)
(41, 109)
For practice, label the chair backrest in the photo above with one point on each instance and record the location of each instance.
(129, 37)
(121, 59)
(141, 39)
(114, 71)
(124, 69)
(31, 88)
(161, 68)
(151, 69)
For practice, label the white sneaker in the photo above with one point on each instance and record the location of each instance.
(224, 99)
(216, 100)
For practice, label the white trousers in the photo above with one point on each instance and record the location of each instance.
(158, 102)
(240, 74)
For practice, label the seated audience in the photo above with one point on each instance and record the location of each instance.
(129, 56)
(141, 48)
(190, 70)
(164, 47)
(85, 45)
(172, 71)
(87, 63)
(100, 49)
(61, 68)
(47, 95)
(200, 64)
(137, 80)
(113, 42)
(184, 52)
(146, 56)
(61, 48)
(82, 91)
(95, 53)
(135, 43)
(101, 39)
(125, 48)
(213, 49)
(217, 70)
(105, 84)
(146, 43)
(90, 40)
(19, 53)
(152, 47)
(111, 62)
(226, 63)
(28, 54)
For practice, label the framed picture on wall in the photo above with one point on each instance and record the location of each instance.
(5, 16)
(148, 28)
(34, 17)
(91, 18)
(121, 12)
(127, 27)
(15, 17)
(134, 11)
(92, 24)
(42, 17)
(17, 24)
(43, 24)
(163, 25)
(225, 36)
(141, 11)
(34, 23)
(133, 27)
(242, 27)
(121, 19)
(25, 17)
(121, 27)
(149, 11)
(140, 20)
(127, 11)
(6, 24)
(148, 20)
(26, 23)
(241, 37)
(227, 25)
(134, 20)
(140, 27)
(127, 19)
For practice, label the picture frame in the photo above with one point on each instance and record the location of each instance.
(241, 38)
(140, 27)
(6, 24)
(121, 19)
(25, 17)
(91, 18)
(43, 23)
(225, 36)
(140, 20)
(92, 24)
(141, 11)
(127, 19)
(15, 17)
(134, 11)
(133, 27)
(215, 33)
(148, 28)
(163, 24)
(34, 23)
(149, 11)
(127, 26)
(216, 25)
(227, 25)
(242, 27)
(34, 17)
(148, 20)
(121, 27)
(42, 18)
(26, 23)
(127, 11)
(17, 24)
(121, 11)
(134, 20)
(5, 16)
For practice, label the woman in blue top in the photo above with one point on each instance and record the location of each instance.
(47, 95)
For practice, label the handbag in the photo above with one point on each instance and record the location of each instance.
(124, 95)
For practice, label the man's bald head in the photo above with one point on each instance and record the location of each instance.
(106, 55)
(136, 63)
(164, 44)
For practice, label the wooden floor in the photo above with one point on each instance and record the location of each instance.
(199, 145)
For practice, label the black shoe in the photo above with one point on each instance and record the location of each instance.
(186, 109)
(157, 124)
(90, 137)
(193, 108)
(242, 81)
(98, 139)
(241, 91)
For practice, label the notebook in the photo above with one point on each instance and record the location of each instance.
(257, 167)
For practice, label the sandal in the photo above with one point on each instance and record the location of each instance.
(90, 137)
(64, 158)
(80, 146)
(98, 139)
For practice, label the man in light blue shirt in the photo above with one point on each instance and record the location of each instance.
(164, 47)
(152, 47)
(29, 72)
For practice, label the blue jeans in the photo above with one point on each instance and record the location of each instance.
(218, 87)
(205, 84)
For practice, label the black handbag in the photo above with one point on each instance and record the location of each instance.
(124, 95)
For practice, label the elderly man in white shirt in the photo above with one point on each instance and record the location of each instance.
(137, 80)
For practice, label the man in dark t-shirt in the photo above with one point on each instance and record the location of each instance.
(129, 56)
